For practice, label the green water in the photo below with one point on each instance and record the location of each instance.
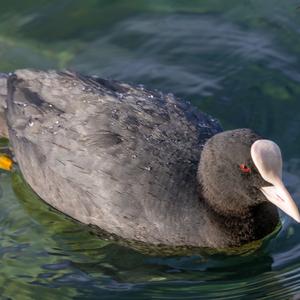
(237, 60)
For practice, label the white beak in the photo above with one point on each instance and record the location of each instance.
(266, 156)
(280, 196)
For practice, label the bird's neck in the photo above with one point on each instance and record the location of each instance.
(253, 224)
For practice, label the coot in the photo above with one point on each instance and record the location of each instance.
(141, 164)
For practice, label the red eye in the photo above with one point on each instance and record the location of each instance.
(245, 169)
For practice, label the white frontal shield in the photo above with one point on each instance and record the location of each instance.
(266, 156)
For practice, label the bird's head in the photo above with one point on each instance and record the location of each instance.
(239, 170)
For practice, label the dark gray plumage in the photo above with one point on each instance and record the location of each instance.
(126, 159)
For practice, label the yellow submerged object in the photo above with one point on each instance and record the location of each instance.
(5, 162)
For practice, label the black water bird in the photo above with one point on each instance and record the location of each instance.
(140, 164)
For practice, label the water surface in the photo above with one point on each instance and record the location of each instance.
(237, 60)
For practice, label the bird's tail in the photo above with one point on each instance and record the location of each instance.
(5, 161)
(3, 95)
(3, 91)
